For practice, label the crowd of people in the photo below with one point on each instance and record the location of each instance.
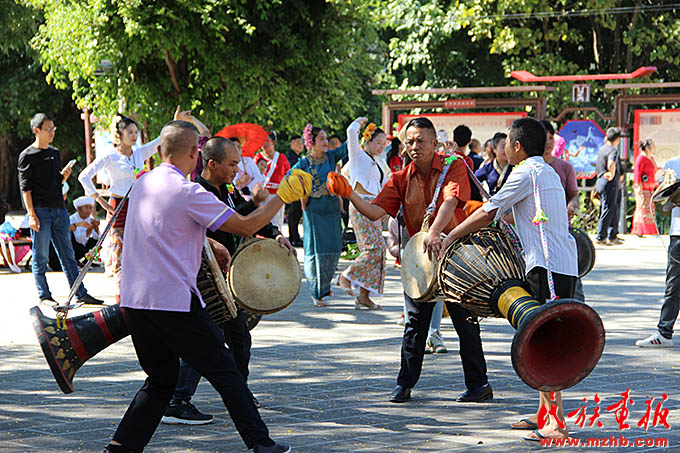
(420, 180)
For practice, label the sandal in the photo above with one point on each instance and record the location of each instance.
(539, 437)
(319, 303)
(373, 306)
(345, 285)
(525, 423)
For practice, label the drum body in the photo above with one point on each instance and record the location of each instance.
(556, 344)
(212, 285)
(264, 278)
(585, 250)
(474, 266)
(418, 272)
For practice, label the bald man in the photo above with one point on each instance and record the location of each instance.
(164, 235)
(220, 166)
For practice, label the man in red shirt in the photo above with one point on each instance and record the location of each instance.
(277, 167)
(413, 189)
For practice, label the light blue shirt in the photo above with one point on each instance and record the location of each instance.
(674, 164)
(518, 193)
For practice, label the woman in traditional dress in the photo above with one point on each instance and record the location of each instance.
(644, 182)
(321, 216)
(122, 164)
(366, 275)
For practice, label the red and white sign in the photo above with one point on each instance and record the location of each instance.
(662, 126)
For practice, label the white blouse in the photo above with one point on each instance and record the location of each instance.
(119, 167)
(362, 169)
(248, 166)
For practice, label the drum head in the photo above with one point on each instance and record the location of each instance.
(585, 250)
(263, 277)
(418, 273)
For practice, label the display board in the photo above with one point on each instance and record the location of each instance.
(662, 126)
(583, 138)
(483, 125)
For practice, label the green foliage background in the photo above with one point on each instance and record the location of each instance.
(286, 63)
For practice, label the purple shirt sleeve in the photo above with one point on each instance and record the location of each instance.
(205, 208)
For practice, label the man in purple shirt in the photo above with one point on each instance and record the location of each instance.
(167, 220)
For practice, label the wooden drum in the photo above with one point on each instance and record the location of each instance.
(474, 266)
(212, 285)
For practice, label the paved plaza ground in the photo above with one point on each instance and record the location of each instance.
(323, 375)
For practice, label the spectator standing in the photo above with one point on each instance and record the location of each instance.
(40, 178)
(277, 167)
(476, 154)
(608, 185)
(497, 171)
(394, 157)
(644, 182)
(294, 209)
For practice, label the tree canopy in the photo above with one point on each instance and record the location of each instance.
(274, 62)
(283, 64)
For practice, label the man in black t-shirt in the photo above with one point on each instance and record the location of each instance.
(608, 185)
(40, 179)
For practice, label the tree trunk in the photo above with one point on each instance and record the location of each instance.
(9, 182)
(173, 70)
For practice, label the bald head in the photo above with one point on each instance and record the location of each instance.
(178, 138)
(217, 148)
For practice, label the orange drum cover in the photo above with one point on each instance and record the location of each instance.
(418, 273)
(263, 277)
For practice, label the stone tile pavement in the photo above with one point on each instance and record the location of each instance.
(323, 376)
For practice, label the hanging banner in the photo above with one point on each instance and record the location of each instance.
(483, 125)
(583, 138)
(662, 126)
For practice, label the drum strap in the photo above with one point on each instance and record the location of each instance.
(433, 205)
(539, 220)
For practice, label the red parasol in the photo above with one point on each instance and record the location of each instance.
(252, 136)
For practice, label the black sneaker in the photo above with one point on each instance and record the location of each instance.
(89, 300)
(185, 414)
(276, 448)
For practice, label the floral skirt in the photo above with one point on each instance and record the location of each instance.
(368, 269)
(644, 218)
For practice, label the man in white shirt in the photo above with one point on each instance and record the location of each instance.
(663, 338)
(525, 143)
(84, 228)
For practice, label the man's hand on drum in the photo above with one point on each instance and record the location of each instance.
(221, 254)
(285, 244)
(432, 245)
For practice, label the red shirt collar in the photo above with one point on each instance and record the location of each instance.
(437, 163)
